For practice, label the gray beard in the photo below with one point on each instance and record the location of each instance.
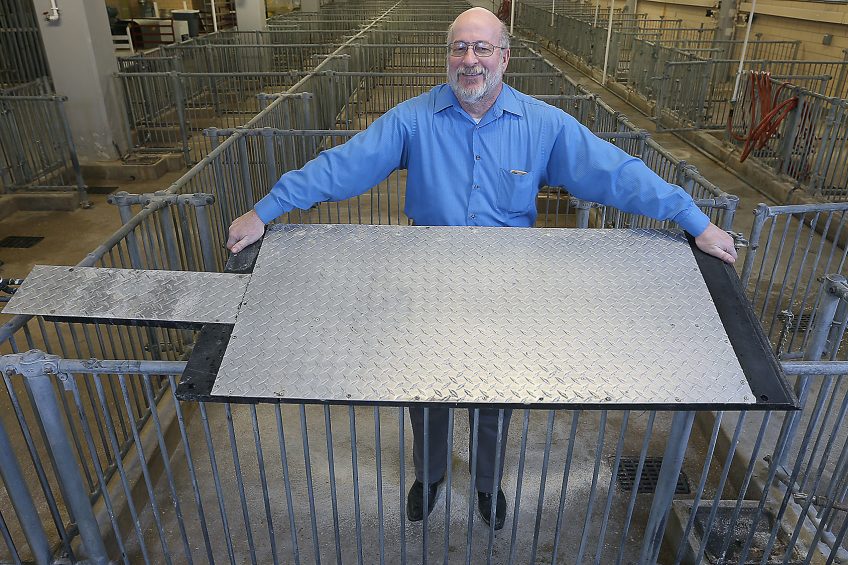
(474, 95)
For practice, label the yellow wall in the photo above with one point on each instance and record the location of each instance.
(775, 20)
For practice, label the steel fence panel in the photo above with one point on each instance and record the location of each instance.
(22, 56)
(36, 147)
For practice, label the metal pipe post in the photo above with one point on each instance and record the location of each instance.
(790, 133)
(582, 208)
(76, 494)
(244, 165)
(22, 502)
(179, 101)
(681, 426)
(816, 347)
(204, 232)
(169, 232)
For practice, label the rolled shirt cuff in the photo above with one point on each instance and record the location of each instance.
(693, 220)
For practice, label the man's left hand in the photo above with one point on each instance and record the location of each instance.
(718, 243)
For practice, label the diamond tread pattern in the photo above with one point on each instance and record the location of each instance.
(129, 294)
(348, 313)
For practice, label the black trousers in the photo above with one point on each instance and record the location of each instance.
(487, 437)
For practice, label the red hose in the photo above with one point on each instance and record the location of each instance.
(772, 115)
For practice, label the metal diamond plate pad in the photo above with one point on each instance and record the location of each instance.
(479, 315)
(129, 294)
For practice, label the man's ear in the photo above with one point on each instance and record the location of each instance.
(505, 58)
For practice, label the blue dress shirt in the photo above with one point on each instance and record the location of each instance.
(487, 174)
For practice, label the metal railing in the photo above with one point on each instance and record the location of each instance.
(101, 405)
(22, 57)
(37, 150)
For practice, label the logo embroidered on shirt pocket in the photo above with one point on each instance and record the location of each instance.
(516, 190)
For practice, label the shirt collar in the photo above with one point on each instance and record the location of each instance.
(507, 101)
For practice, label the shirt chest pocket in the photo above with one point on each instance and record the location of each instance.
(516, 190)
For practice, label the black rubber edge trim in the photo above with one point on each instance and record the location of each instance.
(170, 324)
(205, 360)
(749, 341)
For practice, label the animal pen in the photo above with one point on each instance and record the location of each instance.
(104, 458)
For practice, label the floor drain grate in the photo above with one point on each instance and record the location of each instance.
(650, 473)
(19, 241)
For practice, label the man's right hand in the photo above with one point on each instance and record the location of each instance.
(244, 230)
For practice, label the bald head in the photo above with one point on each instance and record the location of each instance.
(482, 21)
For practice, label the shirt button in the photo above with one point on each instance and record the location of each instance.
(476, 187)
(477, 157)
(472, 216)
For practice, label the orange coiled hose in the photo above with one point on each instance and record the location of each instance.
(772, 115)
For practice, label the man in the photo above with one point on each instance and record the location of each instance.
(476, 152)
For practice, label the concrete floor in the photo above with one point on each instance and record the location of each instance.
(69, 236)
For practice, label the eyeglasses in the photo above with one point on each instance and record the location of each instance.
(481, 48)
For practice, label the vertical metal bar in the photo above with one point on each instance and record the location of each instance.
(402, 455)
(21, 499)
(519, 480)
(190, 464)
(542, 479)
(76, 495)
(582, 208)
(781, 444)
(837, 490)
(816, 345)
(496, 487)
(448, 480)
(179, 101)
(216, 477)
(260, 460)
(632, 503)
(355, 468)
(204, 229)
(701, 484)
(425, 538)
(7, 537)
(92, 451)
(244, 165)
(240, 483)
(584, 538)
(145, 471)
(681, 425)
(287, 483)
(378, 448)
(113, 439)
(163, 450)
(270, 156)
(472, 492)
(611, 489)
(566, 471)
(170, 235)
(331, 468)
(308, 465)
(815, 487)
(837, 543)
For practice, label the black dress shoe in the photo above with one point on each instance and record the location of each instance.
(484, 504)
(415, 500)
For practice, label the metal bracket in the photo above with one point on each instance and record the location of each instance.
(800, 497)
(33, 363)
(739, 240)
(124, 198)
